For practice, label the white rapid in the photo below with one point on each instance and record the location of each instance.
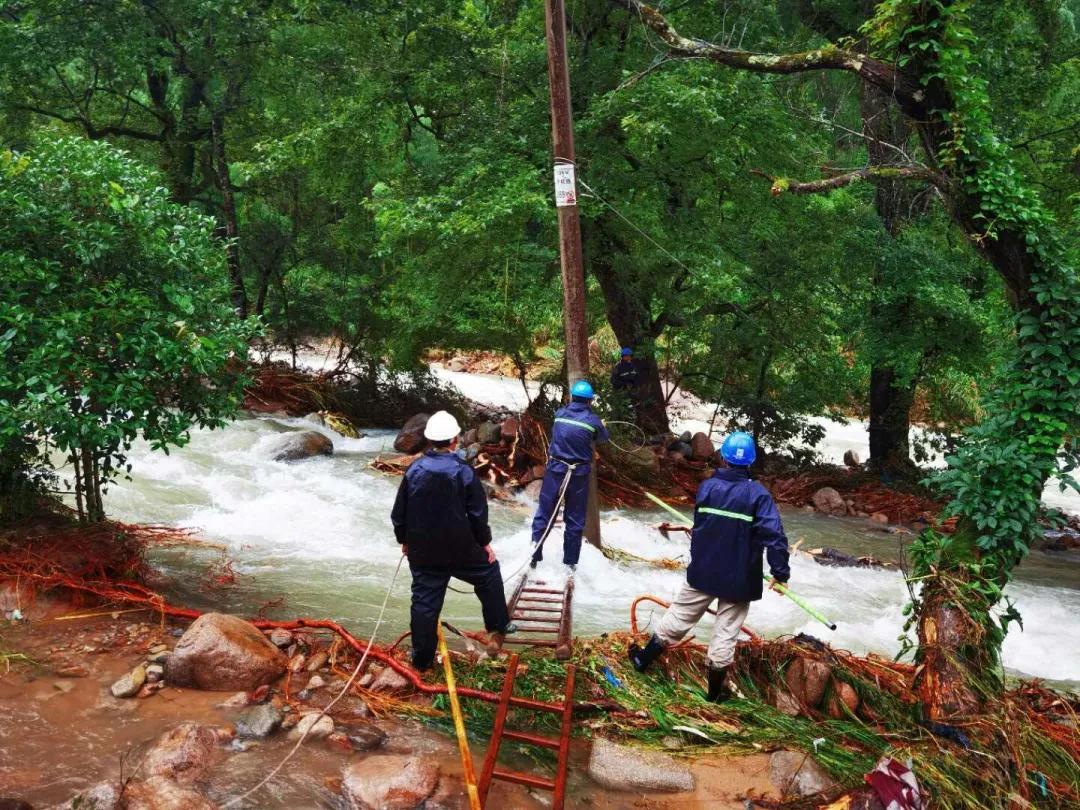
(317, 533)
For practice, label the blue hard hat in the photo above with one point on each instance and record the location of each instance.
(738, 449)
(627, 351)
(581, 389)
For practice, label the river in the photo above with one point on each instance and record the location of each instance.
(316, 535)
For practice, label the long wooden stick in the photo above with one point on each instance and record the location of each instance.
(459, 725)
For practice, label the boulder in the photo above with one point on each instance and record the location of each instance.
(366, 737)
(880, 517)
(702, 447)
(509, 429)
(389, 783)
(300, 445)
(410, 438)
(795, 773)
(183, 754)
(258, 721)
(786, 704)
(620, 767)
(488, 433)
(828, 500)
(161, 793)
(807, 679)
(224, 653)
(851, 459)
(470, 436)
(129, 685)
(314, 725)
(457, 364)
(842, 702)
(102, 796)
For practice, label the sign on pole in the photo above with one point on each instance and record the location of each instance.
(565, 185)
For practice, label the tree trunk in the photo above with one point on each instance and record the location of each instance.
(890, 422)
(631, 322)
(887, 133)
(228, 214)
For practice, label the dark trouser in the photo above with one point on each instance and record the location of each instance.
(428, 592)
(574, 508)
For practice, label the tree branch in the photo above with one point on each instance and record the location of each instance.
(92, 131)
(782, 185)
(874, 71)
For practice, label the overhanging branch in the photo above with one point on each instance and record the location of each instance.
(783, 185)
(873, 71)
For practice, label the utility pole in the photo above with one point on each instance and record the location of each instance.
(573, 272)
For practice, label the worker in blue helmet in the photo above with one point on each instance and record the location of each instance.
(735, 519)
(627, 374)
(574, 435)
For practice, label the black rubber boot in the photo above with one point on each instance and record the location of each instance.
(718, 691)
(641, 657)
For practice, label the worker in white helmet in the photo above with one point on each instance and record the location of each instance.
(440, 519)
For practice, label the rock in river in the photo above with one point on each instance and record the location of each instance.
(130, 684)
(828, 500)
(223, 652)
(410, 438)
(161, 793)
(258, 721)
(389, 783)
(184, 753)
(300, 445)
(620, 767)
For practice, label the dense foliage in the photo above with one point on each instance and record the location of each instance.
(382, 174)
(112, 318)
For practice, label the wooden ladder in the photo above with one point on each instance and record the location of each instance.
(561, 745)
(541, 613)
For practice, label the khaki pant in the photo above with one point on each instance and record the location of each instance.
(688, 608)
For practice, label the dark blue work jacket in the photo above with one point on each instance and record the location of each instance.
(625, 375)
(441, 513)
(734, 520)
(576, 430)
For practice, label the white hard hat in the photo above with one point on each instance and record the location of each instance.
(441, 427)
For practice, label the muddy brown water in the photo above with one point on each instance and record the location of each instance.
(59, 736)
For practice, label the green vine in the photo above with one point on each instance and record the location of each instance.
(996, 478)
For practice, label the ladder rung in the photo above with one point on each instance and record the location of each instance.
(538, 629)
(530, 642)
(524, 779)
(532, 739)
(541, 600)
(539, 609)
(540, 590)
(531, 705)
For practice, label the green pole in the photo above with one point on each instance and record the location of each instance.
(785, 592)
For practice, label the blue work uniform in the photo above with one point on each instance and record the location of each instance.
(735, 519)
(441, 514)
(625, 375)
(575, 433)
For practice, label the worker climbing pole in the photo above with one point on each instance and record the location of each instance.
(573, 271)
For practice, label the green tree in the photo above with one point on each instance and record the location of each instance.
(113, 321)
(924, 55)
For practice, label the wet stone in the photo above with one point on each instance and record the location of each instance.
(280, 637)
(314, 726)
(154, 673)
(367, 737)
(619, 767)
(258, 721)
(129, 685)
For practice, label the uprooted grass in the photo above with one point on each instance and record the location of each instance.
(1027, 747)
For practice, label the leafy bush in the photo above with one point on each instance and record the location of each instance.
(112, 316)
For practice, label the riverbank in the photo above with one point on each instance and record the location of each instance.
(84, 694)
(65, 733)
